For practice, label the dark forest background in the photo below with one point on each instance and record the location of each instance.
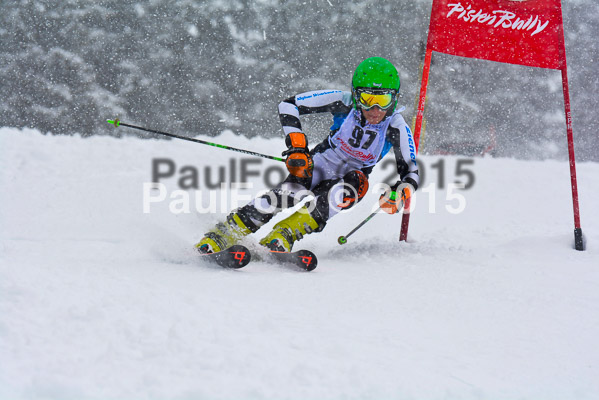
(201, 67)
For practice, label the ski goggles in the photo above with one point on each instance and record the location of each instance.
(367, 98)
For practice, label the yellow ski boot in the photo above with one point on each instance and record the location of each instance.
(290, 230)
(223, 235)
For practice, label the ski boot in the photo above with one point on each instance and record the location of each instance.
(291, 229)
(223, 235)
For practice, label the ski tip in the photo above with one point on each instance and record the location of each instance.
(342, 240)
(235, 257)
(307, 260)
(240, 256)
(304, 259)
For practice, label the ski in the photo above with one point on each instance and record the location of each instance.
(303, 259)
(236, 256)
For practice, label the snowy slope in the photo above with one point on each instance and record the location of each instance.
(99, 300)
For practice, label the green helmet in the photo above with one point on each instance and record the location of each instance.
(376, 75)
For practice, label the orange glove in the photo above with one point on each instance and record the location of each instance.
(300, 164)
(391, 201)
(299, 161)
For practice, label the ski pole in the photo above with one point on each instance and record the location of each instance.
(118, 123)
(343, 239)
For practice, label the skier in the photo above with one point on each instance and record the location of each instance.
(335, 172)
